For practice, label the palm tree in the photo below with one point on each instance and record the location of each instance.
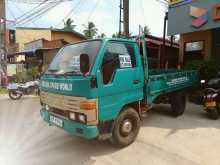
(116, 35)
(68, 25)
(102, 35)
(90, 30)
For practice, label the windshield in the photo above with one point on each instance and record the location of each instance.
(67, 60)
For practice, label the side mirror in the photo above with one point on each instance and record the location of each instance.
(84, 63)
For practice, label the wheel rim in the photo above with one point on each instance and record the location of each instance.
(126, 127)
(15, 95)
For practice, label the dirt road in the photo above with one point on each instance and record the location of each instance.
(25, 139)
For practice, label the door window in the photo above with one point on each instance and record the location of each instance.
(117, 56)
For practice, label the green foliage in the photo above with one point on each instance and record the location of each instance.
(68, 25)
(28, 74)
(116, 35)
(90, 30)
(102, 35)
(3, 91)
(210, 68)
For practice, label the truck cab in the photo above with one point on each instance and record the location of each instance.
(99, 88)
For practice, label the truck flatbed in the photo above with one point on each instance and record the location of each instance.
(166, 81)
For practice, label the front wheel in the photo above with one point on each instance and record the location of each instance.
(178, 104)
(126, 128)
(14, 95)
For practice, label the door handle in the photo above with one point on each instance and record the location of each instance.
(136, 81)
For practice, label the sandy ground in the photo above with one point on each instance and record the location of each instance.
(26, 140)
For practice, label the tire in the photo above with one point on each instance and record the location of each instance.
(213, 114)
(178, 104)
(126, 128)
(14, 96)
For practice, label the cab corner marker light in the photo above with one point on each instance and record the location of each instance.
(88, 105)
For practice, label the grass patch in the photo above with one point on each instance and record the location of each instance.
(3, 91)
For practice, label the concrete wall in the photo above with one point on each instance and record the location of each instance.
(67, 36)
(205, 36)
(24, 35)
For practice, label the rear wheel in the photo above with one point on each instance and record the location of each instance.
(14, 95)
(178, 104)
(126, 128)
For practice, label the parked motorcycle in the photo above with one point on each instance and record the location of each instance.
(16, 91)
(212, 97)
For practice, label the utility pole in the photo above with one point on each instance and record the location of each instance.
(124, 18)
(3, 56)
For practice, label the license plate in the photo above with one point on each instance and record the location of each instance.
(211, 104)
(56, 121)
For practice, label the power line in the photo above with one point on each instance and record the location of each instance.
(30, 11)
(93, 10)
(70, 12)
(39, 12)
(13, 15)
(37, 1)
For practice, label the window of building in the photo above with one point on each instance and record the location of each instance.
(12, 36)
(194, 46)
(194, 51)
(117, 56)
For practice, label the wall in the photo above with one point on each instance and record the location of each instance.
(53, 44)
(24, 35)
(197, 36)
(67, 36)
(216, 44)
(181, 19)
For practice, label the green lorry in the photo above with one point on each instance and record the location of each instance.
(101, 88)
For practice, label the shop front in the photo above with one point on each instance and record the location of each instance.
(198, 24)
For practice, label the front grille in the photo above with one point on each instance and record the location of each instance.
(60, 112)
(68, 103)
(62, 105)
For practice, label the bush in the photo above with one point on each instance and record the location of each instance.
(208, 69)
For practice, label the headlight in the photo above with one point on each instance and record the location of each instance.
(202, 81)
(82, 118)
(46, 107)
(73, 116)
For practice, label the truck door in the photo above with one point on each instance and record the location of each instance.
(120, 78)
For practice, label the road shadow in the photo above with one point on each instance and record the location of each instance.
(194, 117)
(30, 140)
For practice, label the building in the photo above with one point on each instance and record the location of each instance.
(36, 47)
(162, 53)
(38, 53)
(198, 24)
(25, 35)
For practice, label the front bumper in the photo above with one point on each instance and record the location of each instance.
(74, 128)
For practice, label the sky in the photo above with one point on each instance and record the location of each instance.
(104, 13)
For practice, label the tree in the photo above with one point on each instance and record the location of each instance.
(102, 35)
(68, 25)
(116, 35)
(90, 30)
(146, 30)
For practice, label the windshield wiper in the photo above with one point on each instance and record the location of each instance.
(71, 73)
